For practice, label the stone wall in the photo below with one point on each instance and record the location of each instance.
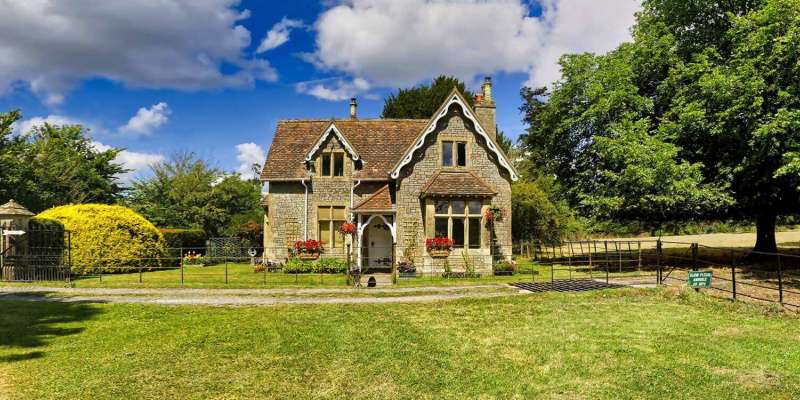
(285, 218)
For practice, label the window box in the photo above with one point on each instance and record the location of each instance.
(308, 256)
(439, 253)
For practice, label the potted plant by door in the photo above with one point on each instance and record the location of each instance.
(439, 246)
(307, 249)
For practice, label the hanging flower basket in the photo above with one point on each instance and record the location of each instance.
(347, 229)
(439, 246)
(494, 214)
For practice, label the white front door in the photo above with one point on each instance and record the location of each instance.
(379, 244)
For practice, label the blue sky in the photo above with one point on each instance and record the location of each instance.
(215, 76)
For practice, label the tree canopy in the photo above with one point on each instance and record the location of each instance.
(420, 102)
(185, 192)
(697, 117)
(55, 165)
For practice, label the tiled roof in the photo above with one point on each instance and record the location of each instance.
(450, 183)
(381, 200)
(379, 142)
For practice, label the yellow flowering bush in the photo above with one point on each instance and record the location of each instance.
(108, 238)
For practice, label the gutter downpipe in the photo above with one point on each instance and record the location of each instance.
(305, 210)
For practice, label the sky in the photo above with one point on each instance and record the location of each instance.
(214, 77)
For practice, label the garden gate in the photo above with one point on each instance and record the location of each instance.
(38, 254)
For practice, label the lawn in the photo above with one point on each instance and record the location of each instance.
(635, 343)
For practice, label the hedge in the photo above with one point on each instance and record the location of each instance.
(323, 265)
(108, 238)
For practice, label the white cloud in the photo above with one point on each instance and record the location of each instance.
(279, 34)
(138, 163)
(333, 89)
(27, 125)
(400, 43)
(247, 155)
(51, 45)
(147, 119)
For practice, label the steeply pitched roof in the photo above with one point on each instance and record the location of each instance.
(446, 183)
(378, 142)
(381, 200)
(455, 97)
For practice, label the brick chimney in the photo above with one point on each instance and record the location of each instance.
(353, 106)
(485, 108)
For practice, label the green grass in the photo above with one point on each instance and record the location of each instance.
(624, 344)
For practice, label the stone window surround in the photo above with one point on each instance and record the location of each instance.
(454, 139)
(333, 152)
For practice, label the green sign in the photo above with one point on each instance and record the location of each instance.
(700, 279)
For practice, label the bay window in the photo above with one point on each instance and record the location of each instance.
(459, 220)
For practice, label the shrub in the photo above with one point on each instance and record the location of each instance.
(331, 266)
(108, 238)
(505, 267)
(323, 266)
(297, 266)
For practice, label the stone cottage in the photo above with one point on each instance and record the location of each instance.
(400, 181)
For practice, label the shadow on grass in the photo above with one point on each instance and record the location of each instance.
(29, 321)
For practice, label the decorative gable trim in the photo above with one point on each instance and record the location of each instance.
(453, 98)
(325, 133)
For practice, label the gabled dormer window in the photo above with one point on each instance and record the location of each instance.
(331, 164)
(454, 154)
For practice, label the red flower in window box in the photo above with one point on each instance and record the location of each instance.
(347, 229)
(439, 246)
(309, 249)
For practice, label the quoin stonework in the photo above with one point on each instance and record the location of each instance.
(400, 181)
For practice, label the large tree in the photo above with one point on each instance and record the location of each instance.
(185, 192)
(420, 102)
(55, 165)
(711, 86)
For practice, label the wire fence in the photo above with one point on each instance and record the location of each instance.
(734, 273)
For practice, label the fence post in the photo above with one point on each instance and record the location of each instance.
(608, 260)
(780, 280)
(694, 261)
(658, 262)
(69, 256)
(569, 260)
(140, 274)
(733, 273)
(394, 262)
(639, 249)
(347, 274)
(226, 270)
(2, 253)
(180, 255)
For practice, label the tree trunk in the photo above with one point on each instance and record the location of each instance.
(765, 233)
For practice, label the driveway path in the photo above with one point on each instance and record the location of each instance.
(252, 296)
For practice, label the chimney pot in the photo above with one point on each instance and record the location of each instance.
(487, 89)
(353, 106)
